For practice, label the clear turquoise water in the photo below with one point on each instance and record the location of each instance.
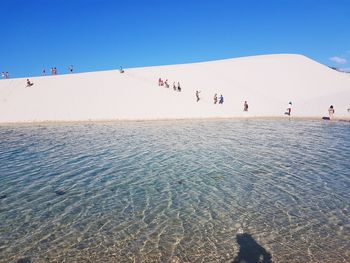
(177, 191)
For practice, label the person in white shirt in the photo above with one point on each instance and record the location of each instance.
(289, 108)
(331, 111)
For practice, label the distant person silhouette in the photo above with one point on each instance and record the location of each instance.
(215, 98)
(221, 99)
(197, 95)
(250, 251)
(289, 109)
(29, 84)
(178, 87)
(331, 111)
(245, 106)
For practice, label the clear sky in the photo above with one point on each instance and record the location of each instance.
(104, 34)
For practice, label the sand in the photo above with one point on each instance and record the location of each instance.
(267, 82)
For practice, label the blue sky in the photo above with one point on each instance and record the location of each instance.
(100, 35)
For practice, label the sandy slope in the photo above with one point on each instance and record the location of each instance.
(268, 83)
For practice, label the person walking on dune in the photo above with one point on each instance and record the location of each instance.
(166, 83)
(178, 87)
(174, 86)
(197, 95)
(215, 98)
(221, 100)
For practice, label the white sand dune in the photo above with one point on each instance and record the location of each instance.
(268, 83)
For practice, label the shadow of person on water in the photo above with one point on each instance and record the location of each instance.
(250, 251)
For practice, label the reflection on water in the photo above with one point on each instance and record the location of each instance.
(200, 191)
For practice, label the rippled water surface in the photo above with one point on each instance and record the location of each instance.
(182, 191)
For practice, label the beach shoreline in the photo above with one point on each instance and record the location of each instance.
(204, 119)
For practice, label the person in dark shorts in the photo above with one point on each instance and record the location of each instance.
(221, 100)
(178, 87)
(197, 95)
(245, 106)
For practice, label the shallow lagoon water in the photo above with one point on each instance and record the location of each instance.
(176, 191)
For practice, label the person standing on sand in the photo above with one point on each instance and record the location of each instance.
(331, 111)
(2, 75)
(7, 76)
(215, 98)
(174, 86)
(221, 101)
(197, 95)
(289, 108)
(245, 106)
(43, 72)
(178, 87)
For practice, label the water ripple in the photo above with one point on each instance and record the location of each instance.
(178, 191)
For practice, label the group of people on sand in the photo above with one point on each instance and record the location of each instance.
(331, 110)
(54, 70)
(162, 83)
(5, 75)
(221, 99)
(216, 99)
